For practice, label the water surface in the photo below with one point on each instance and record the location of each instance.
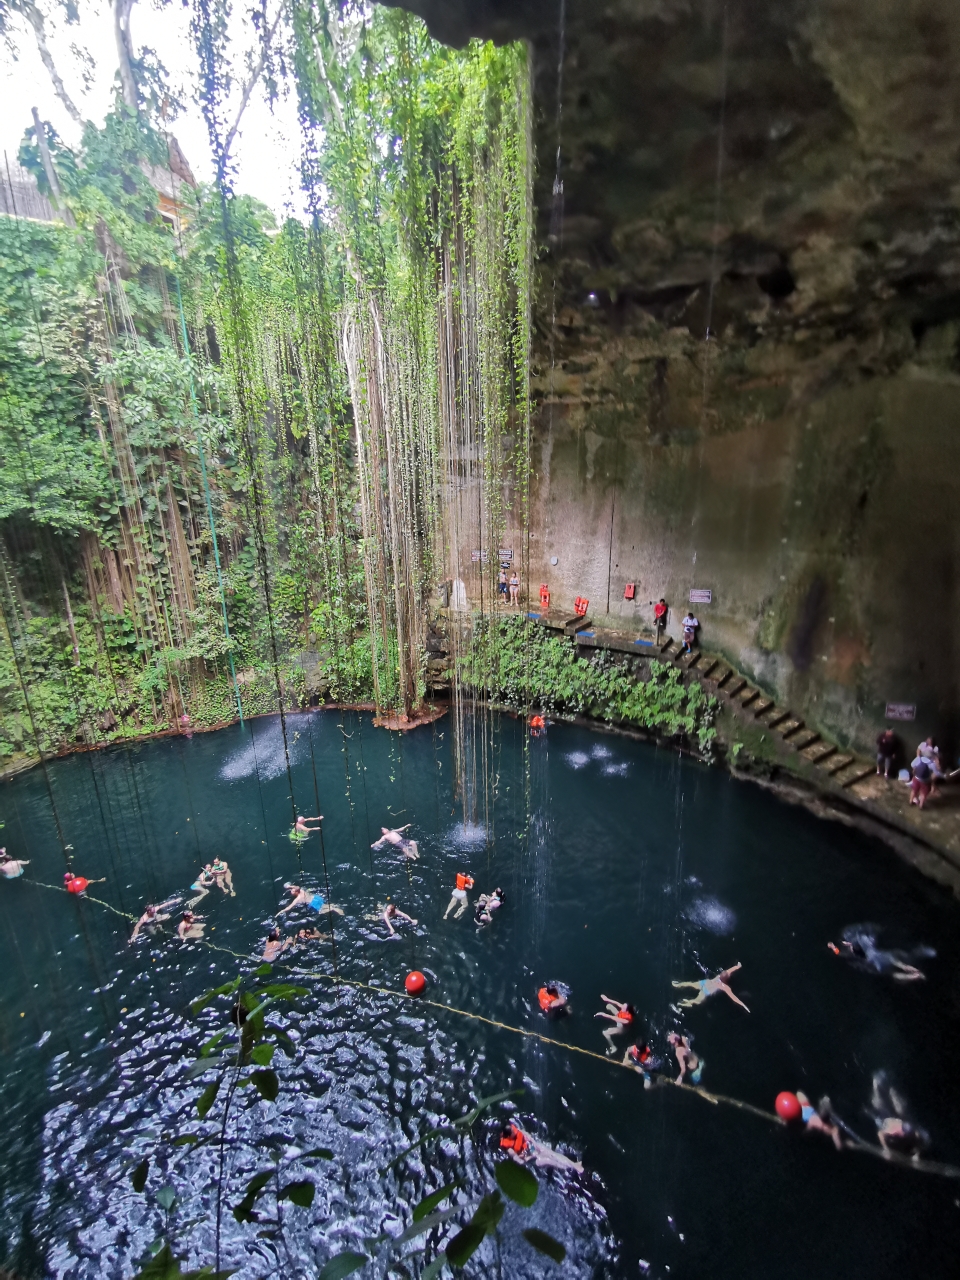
(625, 867)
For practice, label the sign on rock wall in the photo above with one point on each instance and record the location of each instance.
(901, 711)
(701, 595)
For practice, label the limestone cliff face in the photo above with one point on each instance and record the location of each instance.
(748, 331)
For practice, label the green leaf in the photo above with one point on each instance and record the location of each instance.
(466, 1122)
(243, 1212)
(517, 1182)
(267, 1084)
(489, 1212)
(262, 1055)
(284, 1041)
(207, 1098)
(208, 1047)
(434, 1268)
(430, 1202)
(283, 991)
(263, 971)
(166, 1198)
(164, 1266)
(465, 1244)
(428, 1223)
(301, 1193)
(344, 1264)
(545, 1244)
(201, 1002)
(138, 1178)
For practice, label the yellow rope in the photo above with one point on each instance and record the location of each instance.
(717, 1099)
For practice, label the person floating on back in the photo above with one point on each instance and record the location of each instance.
(709, 987)
(523, 1148)
(392, 836)
(459, 896)
(307, 898)
(621, 1015)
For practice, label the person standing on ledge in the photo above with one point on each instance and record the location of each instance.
(515, 589)
(659, 619)
(502, 583)
(886, 750)
(690, 625)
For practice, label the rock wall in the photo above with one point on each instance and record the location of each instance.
(747, 334)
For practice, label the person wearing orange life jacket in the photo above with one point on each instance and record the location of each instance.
(538, 726)
(639, 1058)
(553, 999)
(621, 1015)
(459, 898)
(523, 1147)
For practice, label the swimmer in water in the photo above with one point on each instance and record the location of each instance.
(553, 1001)
(487, 903)
(817, 1119)
(201, 886)
(858, 944)
(191, 926)
(621, 1015)
(688, 1061)
(524, 1148)
(10, 868)
(310, 935)
(152, 915)
(274, 945)
(308, 898)
(707, 987)
(459, 898)
(223, 876)
(639, 1058)
(896, 1134)
(300, 828)
(391, 835)
(391, 913)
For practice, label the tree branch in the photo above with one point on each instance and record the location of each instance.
(35, 18)
(121, 31)
(251, 83)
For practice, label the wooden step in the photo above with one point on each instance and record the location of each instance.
(777, 718)
(718, 675)
(805, 739)
(666, 644)
(704, 670)
(786, 727)
(836, 763)
(734, 688)
(693, 658)
(817, 752)
(857, 773)
(748, 695)
(762, 706)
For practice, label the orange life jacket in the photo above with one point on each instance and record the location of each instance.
(464, 882)
(545, 998)
(624, 1016)
(517, 1143)
(536, 722)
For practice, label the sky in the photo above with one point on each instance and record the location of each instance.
(266, 149)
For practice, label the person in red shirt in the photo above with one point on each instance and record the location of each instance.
(660, 618)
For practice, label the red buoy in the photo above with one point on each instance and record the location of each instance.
(416, 984)
(787, 1106)
(75, 884)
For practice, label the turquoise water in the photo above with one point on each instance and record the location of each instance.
(624, 866)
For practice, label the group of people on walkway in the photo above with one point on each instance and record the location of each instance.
(925, 770)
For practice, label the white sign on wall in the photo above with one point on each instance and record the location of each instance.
(901, 711)
(701, 595)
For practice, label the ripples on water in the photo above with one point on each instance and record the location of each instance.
(711, 914)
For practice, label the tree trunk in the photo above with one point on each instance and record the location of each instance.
(121, 31)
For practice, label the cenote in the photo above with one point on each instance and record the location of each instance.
(624, 865)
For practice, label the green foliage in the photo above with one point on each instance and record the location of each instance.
(521, 664)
